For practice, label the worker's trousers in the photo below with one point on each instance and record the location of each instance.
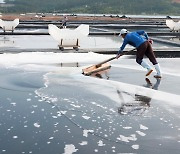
(145, 49)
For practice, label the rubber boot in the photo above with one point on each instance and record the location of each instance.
(145, 65)
(158, 70)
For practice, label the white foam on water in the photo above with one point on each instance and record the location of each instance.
(141, 133)
(37, 125)
(143, 127)
(127, 127)
(100, 143)
(86, 117)
(127, 138)
(70, 149)
(85, 132)
(76, 106)
(95, 150)
(135, 146)
(83, 143)
(15, 137)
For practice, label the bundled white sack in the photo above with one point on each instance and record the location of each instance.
(174, 26)
(9, 25)
(68, 37)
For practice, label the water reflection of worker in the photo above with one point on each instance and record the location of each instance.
(150, 85)
(102, 74)
(140, 103)
(64, 21)
(144, 99)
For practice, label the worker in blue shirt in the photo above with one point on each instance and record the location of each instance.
(140, 40)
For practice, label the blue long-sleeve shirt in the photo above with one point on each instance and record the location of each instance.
(134, 38)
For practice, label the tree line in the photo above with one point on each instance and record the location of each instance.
(93, 6)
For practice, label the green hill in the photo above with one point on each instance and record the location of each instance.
(93, 6)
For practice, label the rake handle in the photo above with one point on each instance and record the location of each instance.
(105, 61)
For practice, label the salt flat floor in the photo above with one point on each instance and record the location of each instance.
(46, 108)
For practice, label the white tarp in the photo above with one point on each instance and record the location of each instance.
(69, 36)
(9, 25)
(175, 26)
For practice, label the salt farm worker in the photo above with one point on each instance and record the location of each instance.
(139, 39)
(64, 21)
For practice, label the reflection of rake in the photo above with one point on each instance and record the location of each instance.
(100, 74)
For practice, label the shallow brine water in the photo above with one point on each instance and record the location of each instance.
(46, 108)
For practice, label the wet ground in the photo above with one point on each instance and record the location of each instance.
(46, 108)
